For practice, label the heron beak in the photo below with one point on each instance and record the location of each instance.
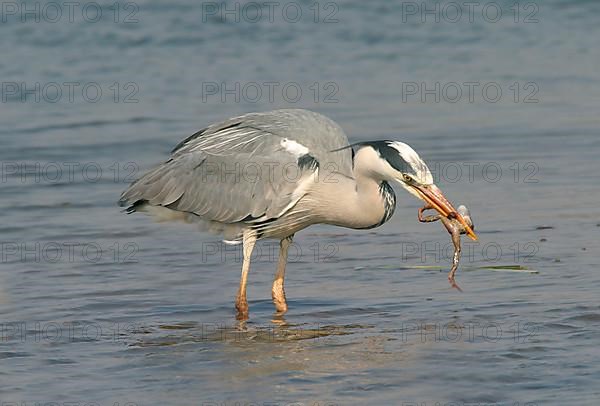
(435, 198)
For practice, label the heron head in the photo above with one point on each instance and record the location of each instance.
(399, 162)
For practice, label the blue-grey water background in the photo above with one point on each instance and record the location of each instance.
(99, 306)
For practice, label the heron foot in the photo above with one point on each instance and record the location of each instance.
(241, 305)
(278, 295)
(281, 307)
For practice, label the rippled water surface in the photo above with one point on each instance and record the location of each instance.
(99, 306)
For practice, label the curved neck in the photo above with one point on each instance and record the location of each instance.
(364, 201)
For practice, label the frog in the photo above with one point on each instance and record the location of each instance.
(455, 228)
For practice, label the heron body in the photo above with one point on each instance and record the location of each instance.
(272, 174)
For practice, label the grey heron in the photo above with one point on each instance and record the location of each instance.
(272, 174)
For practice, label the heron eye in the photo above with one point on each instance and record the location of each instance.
(406, 178)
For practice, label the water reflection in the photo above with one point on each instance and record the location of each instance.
(239, 332)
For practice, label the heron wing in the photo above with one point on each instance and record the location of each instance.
(250, 168)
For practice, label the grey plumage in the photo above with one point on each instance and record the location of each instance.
(242, 171)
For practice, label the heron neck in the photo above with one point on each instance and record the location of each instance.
(358, 202)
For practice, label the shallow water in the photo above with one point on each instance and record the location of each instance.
(99, 306)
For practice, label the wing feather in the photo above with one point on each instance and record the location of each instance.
(240, 170)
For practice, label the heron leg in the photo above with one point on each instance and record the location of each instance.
(278, 293)
(241, 303)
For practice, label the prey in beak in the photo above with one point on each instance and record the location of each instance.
(434, 199)
(455, 228)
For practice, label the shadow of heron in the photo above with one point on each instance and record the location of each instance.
(240, 333)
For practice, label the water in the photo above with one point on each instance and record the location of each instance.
(98, 306)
